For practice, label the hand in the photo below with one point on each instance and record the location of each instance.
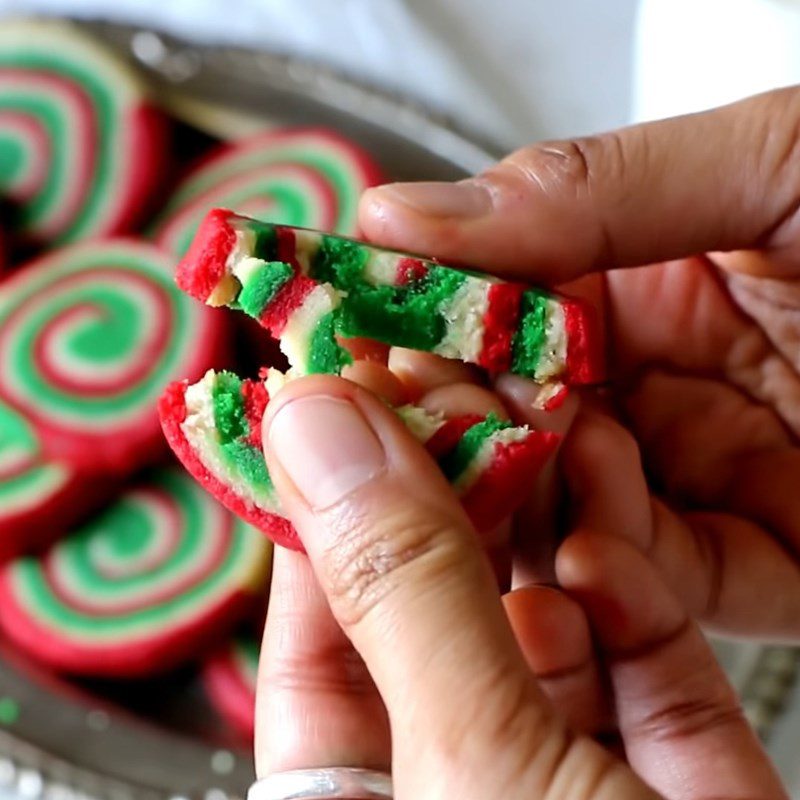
(703, 348)
(390, 645)
(452, 388)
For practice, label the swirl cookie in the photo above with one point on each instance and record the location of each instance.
(148, 584)
(89, 336)
(307, 176)
(81, 148)
(40, 498)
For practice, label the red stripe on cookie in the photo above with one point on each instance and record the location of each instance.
(499, 326)
(410, 270)
(203, 267)
(255, 397)
(584, 356)
(289, 298)
(505, 485)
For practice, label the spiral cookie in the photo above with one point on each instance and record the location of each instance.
(306, 287)
(39, 498)
(229, 678)
(308, 177)
(214, 427)
(89, 337)
(80, 146)
(147, 584)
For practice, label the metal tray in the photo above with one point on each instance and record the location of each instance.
(67, 741)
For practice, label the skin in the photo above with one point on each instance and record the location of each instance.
(702, 350)
(693, 513)
(511, 690)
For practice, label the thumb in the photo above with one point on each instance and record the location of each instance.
(406, 579)
(727, 179)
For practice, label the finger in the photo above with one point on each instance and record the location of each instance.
(535, 534)
(422, 372)
(316, 705)
(676, 711)
(558, 210)
(720, 565)
(405, 578)
(362, 349)
(554, 637)
(607, 488)
(522, 398)
(699, 330)
(377, 379)
(460, 399)
(355, 478)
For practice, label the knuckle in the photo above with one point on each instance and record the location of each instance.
(570, 167)
(691, 717)
(587, 772)
(556, 168)
(306, 663)
(374, 554)
(775, 161)
(589, 172)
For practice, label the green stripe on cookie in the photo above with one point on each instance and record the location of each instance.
(262, 287)
(326, 355)
(233, 429)
(265, 245)
(530, 336)
(340, 262)
(459, 458)
(250, 463)
(229, 412)
(407, 316)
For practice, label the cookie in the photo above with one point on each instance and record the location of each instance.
(40, 498)
(306, 288)
(229, 678)
(308, 176)
(214, 427)
(89, 336)
(81, 147)
(148, 584)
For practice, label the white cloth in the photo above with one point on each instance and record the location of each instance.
(515, 70)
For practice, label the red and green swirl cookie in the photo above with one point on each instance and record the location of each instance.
(307, 287)
(81, 148)
(229, 678)
(40, 498)
(150, 583)
(89, 336)
(309, 177)
(214, 427)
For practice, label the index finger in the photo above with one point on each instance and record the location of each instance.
(727, 179)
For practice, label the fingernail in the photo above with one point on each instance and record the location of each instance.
(465, 199)
(326, 447)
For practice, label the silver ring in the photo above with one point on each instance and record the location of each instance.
(334, 783)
